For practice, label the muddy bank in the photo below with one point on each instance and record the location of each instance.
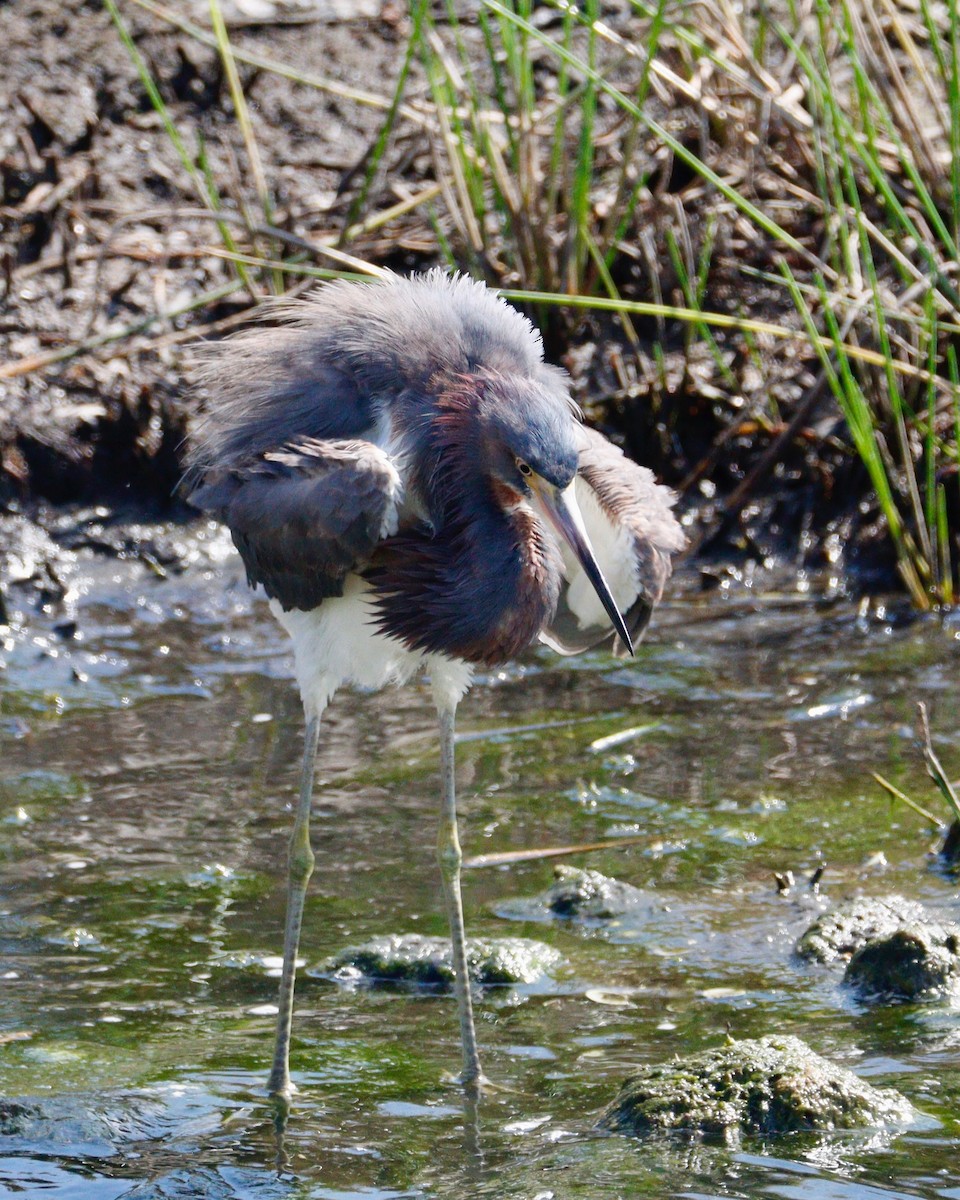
(105, 246)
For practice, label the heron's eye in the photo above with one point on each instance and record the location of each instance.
(524, 468)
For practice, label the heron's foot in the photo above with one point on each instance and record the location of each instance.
(480, 1085)
(476, 1085)
(282, 1090)
(280, 1093)
(280, 1084)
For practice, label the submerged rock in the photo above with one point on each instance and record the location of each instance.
(579, 895)
(842, 931)
(588, 895)
(915, 962)
(419, 961)
(895, 950)
(765, 1086)
(67, 1127)
(103, 1125)
(212, 1183)
(146, 1131)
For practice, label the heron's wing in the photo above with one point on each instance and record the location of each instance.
(633, 531)
(305, 515)
(272, 386)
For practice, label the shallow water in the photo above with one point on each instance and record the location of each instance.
(147, 771)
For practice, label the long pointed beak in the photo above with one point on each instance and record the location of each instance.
(564, 514)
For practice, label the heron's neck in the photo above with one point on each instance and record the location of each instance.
(480, 589)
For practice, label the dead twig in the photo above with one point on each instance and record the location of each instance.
(514, 856)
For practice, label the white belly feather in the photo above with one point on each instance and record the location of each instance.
(339, 643)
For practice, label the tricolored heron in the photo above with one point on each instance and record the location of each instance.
(411, 486)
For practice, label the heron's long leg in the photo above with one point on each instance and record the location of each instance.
(299, 872)
(448, 850)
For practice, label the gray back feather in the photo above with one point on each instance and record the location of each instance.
(325, 370)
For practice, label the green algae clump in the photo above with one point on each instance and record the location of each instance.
(768, 1085)
(414, 960)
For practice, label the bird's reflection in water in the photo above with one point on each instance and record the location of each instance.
(280, 1108)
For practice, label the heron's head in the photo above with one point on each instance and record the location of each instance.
(530, 448)
(529, 433)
